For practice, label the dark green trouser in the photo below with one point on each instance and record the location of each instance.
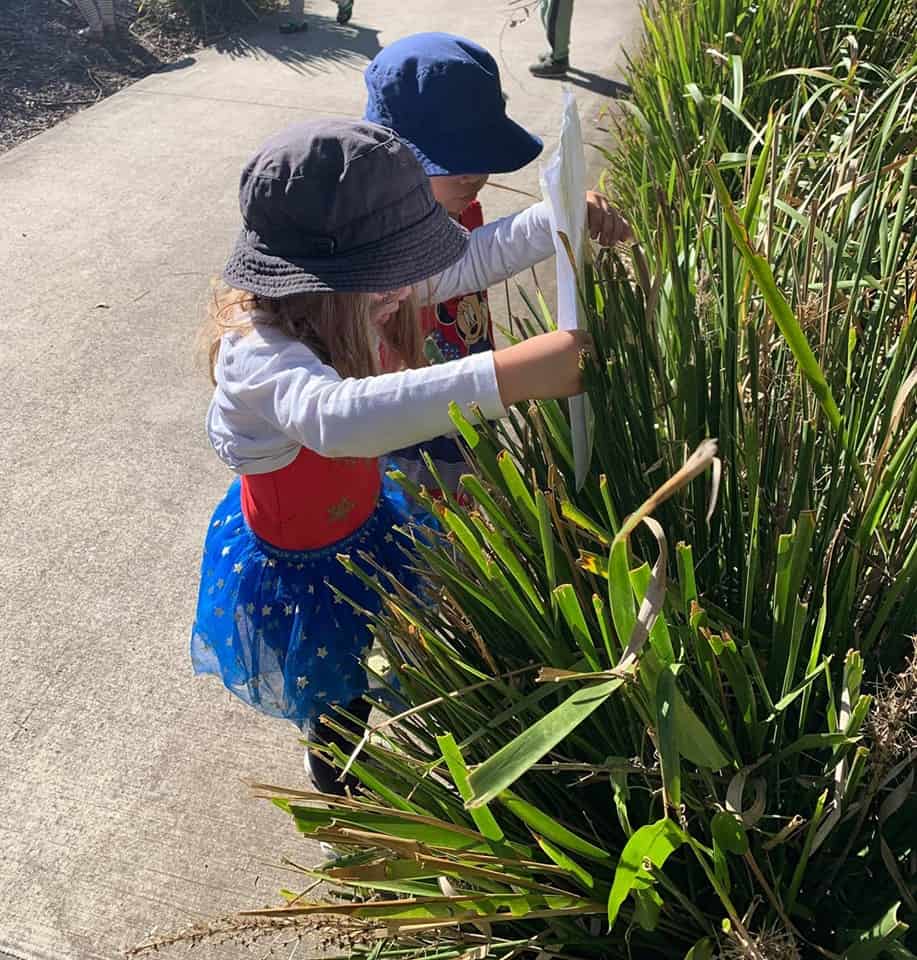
(556, 16)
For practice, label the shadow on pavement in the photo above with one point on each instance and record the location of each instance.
(171, 68)
(596, 84)
(324, 44)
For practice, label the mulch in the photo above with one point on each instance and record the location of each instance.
(49, 71)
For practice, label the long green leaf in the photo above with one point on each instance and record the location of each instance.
(511, 761)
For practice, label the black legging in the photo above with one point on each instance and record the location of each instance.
(324, 774)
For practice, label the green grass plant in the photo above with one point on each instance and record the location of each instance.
(671, 714)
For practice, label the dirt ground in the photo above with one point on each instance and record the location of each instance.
(49, 71)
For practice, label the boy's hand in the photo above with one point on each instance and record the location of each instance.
(605, 223)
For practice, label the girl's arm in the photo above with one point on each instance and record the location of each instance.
(497, 250)
(284, 384)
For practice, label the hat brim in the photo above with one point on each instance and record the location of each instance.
(417, 253)
(500, 148)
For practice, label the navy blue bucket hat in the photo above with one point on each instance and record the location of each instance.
(442, 95)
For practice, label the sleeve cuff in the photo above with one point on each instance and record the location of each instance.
(486, 389)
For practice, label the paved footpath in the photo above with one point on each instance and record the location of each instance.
(122, 802)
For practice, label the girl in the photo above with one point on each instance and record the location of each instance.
(442, 94)
(339, 223)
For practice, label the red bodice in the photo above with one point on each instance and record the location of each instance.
(312, 502)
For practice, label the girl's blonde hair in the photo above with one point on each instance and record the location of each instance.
(336, 326)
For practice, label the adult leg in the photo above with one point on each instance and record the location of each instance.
(297, 21)
(107, 11)
(91, 15)
(345, 11)
(556, 16)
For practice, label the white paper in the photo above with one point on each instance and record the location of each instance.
(563, 186)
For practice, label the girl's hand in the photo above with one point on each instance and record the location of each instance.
(605, 223)
(542, 368)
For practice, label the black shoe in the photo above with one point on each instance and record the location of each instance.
(549, 67)
(345, 12)
(323, 774)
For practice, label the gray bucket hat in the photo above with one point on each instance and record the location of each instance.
(338, 205)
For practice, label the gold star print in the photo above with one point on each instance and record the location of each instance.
(250, 608)
(322, 652)
(265, 611)
(225, 551)
(218, 611)
(341, 509)
(229, 641)
(322, 694)
(220, 583)
(288, 609)
(389, 538)
(311, 588)
(302, 683)
(272, 563)
(237, 568)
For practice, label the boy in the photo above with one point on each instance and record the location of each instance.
(441, 93)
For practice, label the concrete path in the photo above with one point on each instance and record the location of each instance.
(122, 807)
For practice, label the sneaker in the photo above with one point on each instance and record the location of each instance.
(549, 67)
(345, 11)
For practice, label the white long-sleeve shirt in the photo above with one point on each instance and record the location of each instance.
(274, 395)
(497, 250)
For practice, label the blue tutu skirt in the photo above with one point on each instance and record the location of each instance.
(269, 622)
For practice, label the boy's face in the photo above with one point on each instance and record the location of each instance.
(456, 192)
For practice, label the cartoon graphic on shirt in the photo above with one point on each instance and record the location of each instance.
(462, 325)
(454, 329)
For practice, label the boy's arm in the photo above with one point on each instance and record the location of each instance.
(497, 250)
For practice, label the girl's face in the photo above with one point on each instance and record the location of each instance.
(456, 192)
(383, 305)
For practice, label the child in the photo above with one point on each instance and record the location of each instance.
(339, 223)
(442, 94)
